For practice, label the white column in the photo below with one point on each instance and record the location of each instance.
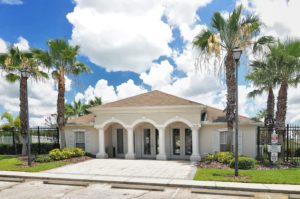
(195, 141)
(101, 153)
(162, 144)
(130, 151)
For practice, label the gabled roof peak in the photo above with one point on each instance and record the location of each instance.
(152, 98)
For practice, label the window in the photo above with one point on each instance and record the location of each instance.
(120, 144)
(188, 142)
(80, 139)
(224, 136)
(203, 116)
(176, 141)
(147, 142)
(157, 141)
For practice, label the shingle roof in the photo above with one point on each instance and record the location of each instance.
(85, 119)
(153, 98)
(156, 98)
(218, 115)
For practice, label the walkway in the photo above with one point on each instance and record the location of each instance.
(130, 168)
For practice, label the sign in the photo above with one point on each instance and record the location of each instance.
(274, 157)
(274, 138)
(274, 148)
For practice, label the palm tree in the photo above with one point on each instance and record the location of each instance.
(62, 58)
(263, 76)
(13, 63)
(223, 36)
(11, 121)
(95, 102)
(286, 56)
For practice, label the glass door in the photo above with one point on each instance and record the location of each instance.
(176, 141)
(147, 142)
(120, 141)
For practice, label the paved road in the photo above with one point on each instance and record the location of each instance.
(131, 168)
(37, 190)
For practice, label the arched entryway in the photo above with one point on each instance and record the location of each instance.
(146, 140)
(179, 139)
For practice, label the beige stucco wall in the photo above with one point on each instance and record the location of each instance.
(159, 115)
(210, 140)
(91, 137)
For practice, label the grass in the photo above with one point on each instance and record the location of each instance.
(274, 176)
(12, 163)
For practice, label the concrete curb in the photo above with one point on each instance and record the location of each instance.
(248, 187)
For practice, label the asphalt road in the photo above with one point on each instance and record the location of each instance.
(36, 189)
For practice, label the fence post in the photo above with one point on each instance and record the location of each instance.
(39, 140)
(57, 130)
(258, 143)
(14, 140)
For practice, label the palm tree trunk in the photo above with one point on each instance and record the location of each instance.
(281, 112)
(230, 108)
(23, 113)
(61, 108)
(270, 103)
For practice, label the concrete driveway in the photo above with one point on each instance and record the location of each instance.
(131, 168)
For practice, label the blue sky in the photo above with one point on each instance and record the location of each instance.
(131, 67)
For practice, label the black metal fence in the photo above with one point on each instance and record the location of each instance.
(42, 140)
(290, 151)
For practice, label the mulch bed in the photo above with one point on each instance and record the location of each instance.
(217, 165)
(24, 160)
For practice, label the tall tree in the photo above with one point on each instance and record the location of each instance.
(11, 121)
(286, 56)
(13, 63)
(62, 58)
(223, 36)
(95, 102)
(264, 78)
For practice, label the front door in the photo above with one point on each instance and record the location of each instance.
(120, 143)
(149, 143)
(181, 143)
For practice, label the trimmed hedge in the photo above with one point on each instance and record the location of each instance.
(42, 158)
(66, 153)
(244, 163)
(223, 157)
(8, 149)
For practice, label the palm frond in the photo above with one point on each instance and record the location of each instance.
(12, 78)
(255, 93)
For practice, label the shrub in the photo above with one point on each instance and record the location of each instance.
(43, 158)
(223, 157)
(9, 149)
(297, 152)
(244, 163)
(209, 157)
(56, 154)
(66, 153)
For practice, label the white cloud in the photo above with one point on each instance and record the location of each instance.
(279, 16)
(42, 97)
(22, 44)
(11, 2)
(182, 11)
(3, 46)
(159, 74)
(121, 35)
(108, 93)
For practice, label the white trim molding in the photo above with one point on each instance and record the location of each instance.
(178, 119)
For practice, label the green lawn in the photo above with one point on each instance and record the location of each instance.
(11, 163)
(275, 176)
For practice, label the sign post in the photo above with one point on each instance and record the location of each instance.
(274, 148)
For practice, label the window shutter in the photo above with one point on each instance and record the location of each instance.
(216, 142)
